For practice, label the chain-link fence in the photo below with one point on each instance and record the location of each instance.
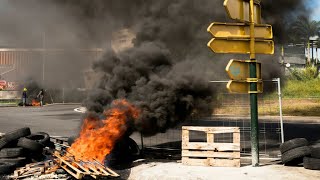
(231, 110)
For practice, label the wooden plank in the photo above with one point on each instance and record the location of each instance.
(102, 170)
(25, 171)
(185, 137)
(195, 162)
(212, 146)
(107, 170)
(213, 162)
(77, 173)
(214, 130)
(92, 169)
(236, 137)
(86, 170)
(225, 163)
(210, 137)
(67, 167)
(210, 154)
(98, 170)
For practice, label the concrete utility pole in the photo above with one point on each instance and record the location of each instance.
(308, 52)
(312, 59)
(43, 56)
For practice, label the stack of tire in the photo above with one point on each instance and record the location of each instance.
(20, 147)
(297, 151)
(313, 160)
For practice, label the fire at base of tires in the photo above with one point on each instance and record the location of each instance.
(37, 155)
(298, 151)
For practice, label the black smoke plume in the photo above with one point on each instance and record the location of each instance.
(167, 71)
(166, 92)
(281, 13)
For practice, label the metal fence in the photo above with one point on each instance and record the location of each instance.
(232, 110)
(50, 66)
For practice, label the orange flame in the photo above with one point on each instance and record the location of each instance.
(98, 137)
(35, 103)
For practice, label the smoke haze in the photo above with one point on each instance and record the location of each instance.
(167, 70)
(165, 73)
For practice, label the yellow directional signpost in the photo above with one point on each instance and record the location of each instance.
(239, 70)
(243, 87)
(240, 46)
(239, 30)
(240, 10)
(248, 37)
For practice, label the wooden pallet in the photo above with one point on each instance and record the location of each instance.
(211, 153)
(80, 169)
(60, 144)
(34, 169)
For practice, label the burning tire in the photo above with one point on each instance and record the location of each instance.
(134, 148)
(30, 144)
(295, 156)
(11, 152)
(125, 151)
(40, 137)
(292, 144)
(6, 168)
(311, 163)
(71, 140)
(14, 135)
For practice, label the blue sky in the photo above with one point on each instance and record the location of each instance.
(315, 6)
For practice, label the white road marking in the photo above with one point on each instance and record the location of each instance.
(80, 109)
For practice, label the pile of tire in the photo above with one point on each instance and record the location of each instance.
(19, 147)
(313, 160)
(297, 151)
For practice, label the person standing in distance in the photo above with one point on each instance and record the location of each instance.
(24, 97)
(41, 96)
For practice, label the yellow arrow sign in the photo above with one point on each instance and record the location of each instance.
(239, 30)
(240, 46)
(243, 87)
(239, 10)
(239, 70)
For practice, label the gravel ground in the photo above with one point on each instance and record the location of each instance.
(177, 171)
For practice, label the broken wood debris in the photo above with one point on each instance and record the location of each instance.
(60, 158)
(33, 169)
(79, 169)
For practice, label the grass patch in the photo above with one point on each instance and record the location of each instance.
(9, 101)
(302, 89)
(300, 97)
(290, 107)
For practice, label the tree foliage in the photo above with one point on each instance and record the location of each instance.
(309, 73)
(304, 28)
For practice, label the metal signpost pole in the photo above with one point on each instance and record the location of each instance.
(249, 36)
(280, 109)
(253, 93)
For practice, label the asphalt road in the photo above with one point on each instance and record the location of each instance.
(57, 120)
(62, 120)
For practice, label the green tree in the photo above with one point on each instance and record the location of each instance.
(304, 28)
